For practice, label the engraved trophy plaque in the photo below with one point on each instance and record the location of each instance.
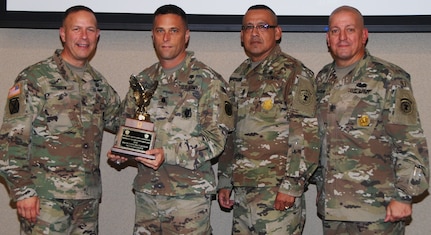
(137, 135)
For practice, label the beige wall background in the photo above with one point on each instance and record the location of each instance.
(121, 53)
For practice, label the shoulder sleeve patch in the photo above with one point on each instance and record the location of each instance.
(14, 91)
(15, 101)
(226, 118)
(405, 110)
(304, 101)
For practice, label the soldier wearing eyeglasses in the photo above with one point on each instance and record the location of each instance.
(274, 149)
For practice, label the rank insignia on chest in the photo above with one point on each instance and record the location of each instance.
(363, 120)
(187, 113)
(228, 108)
(267, 104)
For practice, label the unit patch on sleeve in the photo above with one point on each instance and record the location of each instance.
(13, 105)
(15, 101)
(405, 111)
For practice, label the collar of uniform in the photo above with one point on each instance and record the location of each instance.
(65, 72)
(164, 79)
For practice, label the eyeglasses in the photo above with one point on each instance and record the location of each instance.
(260, 27)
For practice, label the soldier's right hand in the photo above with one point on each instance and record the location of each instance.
(29, 208)
(224, 199)
(115, 158)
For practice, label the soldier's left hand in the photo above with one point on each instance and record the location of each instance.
(283, 201)
(397, 211)
(29, 208)
(153, 163)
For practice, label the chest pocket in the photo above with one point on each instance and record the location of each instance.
(186, 115)
(242, 101)
(176, 110)
(358, 114)
(264, 102)
(269, 104)
(61, 109)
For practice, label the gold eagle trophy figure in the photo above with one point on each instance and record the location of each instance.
(137, 135)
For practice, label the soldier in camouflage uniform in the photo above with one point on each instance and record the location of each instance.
(374, 153)
(192, 113)
(275, 147)
(52, 134)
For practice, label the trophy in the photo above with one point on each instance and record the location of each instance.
(137, 135)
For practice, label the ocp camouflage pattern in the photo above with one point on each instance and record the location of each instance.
(192, 112)
(275, 142)
(374, 148)
(52, 131)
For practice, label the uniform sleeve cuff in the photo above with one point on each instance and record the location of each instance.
(401, 196)
(23, 193)
(224, 183)
(292, 186)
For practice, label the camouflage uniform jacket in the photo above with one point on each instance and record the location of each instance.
(374, 148)
(275, 143)
(192, 114)
(52, 131)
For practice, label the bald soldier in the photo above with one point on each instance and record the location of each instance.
(374, 154)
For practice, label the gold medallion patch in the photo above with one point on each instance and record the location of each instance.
(363, 120)
(267, 104)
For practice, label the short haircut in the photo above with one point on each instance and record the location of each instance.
(264, 7)
(74, 9)
(171, 9)
(349, 9)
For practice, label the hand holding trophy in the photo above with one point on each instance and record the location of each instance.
(137, 135)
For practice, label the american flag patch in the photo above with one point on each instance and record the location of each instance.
(14, 91)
